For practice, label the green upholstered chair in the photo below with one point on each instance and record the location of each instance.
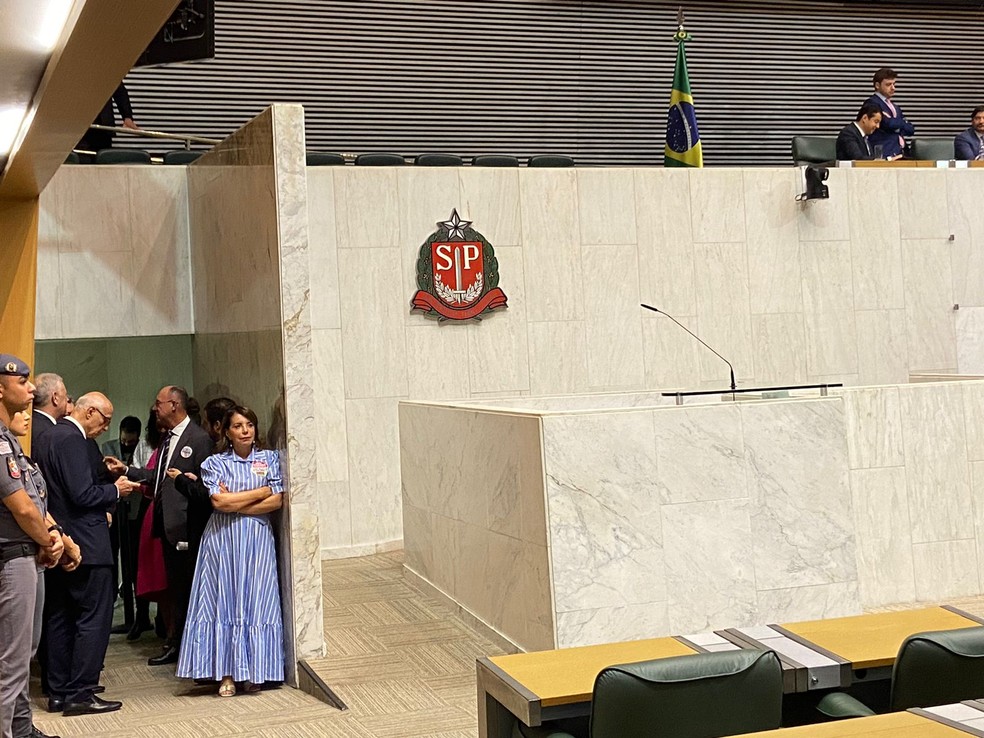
(379, 160)
(181, 157)
(495, 160)
(550, 160)
(935, 668)
(814, 149)
(72, 158)
(933, 148)
(122, 156)
(438, 160)
(324, 159)
(701, 696)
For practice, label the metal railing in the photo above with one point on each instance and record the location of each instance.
(141, 133)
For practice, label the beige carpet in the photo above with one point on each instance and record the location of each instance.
(402, 662)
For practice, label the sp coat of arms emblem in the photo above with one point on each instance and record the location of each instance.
(457, 273)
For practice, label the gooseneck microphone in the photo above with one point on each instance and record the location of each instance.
(657, 310)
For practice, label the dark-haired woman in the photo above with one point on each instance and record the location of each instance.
(234, 631)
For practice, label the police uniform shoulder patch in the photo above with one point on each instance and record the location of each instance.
(13, 468)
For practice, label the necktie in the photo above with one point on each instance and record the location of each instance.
(162, 463)
(980, 152)
(895, 114)
(867, 145)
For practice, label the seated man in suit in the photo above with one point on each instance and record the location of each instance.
(969, 144)
(853, 143)
(894, 127)
(79, 604)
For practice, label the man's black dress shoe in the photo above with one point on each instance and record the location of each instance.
(93, 707)
(56, 704)
(169, 656)
(35, 733)
(120, 629)
(137, 630)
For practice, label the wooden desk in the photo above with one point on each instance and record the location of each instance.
(898, 163)
(872, 641)
(547, 685)
(893, 725)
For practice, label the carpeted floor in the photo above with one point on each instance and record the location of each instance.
(404, 665)
(402, 662)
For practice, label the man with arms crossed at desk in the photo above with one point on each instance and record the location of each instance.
(893, 128)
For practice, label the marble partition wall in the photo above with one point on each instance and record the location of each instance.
(672, 520)
(860, 288)
(248, 229)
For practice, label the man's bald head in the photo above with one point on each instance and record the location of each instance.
(94, 412)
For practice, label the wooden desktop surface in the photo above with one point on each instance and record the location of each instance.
(892, 725)
(873, 640)
(566, 676)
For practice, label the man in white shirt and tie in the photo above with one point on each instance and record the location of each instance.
(969, 145)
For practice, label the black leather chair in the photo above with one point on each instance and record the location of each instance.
(122, 156)
(181, 157)
(701, 696)
(438, 160)
(495, 160)
(934, 668)
(550, 160)
(379, 160)
(930, 148)
(72, 158)
(814, 149)
(324, 159)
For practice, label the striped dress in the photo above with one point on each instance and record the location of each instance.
(234, 625)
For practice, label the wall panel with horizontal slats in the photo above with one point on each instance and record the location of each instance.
(588, 79)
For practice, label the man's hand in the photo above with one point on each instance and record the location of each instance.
(124, 486)
(114, 465)
(72, 557)
(172, 473)
(49, 555)
(128, 123)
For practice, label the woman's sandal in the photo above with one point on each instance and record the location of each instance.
(251, 688)
(227, 688)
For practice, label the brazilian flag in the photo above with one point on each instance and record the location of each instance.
(682, 137)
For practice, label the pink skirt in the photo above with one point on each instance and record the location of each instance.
(151, 576)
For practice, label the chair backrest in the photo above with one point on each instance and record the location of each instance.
(181, 157)
(122, 156)
(939, 668)
(550, 160)
(379, 160)
(324, 159)
(438, 160)
(495, 160)
(72, 158)
(702, 696)
(814, 149)
(933, 148)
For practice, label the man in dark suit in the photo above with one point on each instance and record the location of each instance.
(79, 605)
(179, 513)
(50, 406)
(853, 143)
(894, 127)
(969, 145)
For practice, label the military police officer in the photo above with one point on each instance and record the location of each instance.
(28, 539)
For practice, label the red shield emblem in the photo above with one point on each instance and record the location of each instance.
(457, 273)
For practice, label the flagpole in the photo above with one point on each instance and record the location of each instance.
(683, 147)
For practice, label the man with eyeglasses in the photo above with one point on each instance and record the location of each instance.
(79, 607)
(179, 515)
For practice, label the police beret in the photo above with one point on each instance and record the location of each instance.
(13, 367)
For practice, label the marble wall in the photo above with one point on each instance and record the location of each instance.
(248, 229)
(674, 520)
(860, 288)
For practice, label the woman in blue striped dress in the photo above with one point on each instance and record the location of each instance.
(234, 631)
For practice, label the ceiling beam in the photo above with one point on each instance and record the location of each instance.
(106, 39)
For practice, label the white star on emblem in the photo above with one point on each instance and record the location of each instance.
(455, 225)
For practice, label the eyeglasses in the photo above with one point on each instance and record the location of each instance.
(106, 417)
